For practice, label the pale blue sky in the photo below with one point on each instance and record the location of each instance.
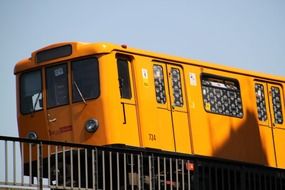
(247, 34)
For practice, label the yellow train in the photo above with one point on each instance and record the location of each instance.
(106, 94)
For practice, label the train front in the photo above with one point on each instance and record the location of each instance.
(58, 94)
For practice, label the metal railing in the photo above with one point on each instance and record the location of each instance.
(43, 164)
(35, 164)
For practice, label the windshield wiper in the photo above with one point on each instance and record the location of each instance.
(79, 92)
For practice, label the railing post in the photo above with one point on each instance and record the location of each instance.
(140, 177)
(6, 163)
(41, 166)
(22, 163)
(150, 172)
(14, 163)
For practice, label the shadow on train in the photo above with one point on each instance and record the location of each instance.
(249, 144)
(244, 143)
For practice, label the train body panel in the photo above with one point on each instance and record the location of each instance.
(141, 99)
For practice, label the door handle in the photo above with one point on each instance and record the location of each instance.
(51, 120)
(124, 113)
(274, 125)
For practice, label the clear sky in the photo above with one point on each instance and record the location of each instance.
(248, 34)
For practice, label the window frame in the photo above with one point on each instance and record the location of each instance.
(67, 82)
(180, 88)
(273, 104)
(72, 77)
(265, 93)
(219, 77)
(165, 93)
(129, 82)
(21, 90)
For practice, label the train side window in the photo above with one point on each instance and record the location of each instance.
(31, 92)
(57, 86)
(124, 78)
(176, 87)
(85, 79)
(159, 84)
(221, 95)
(260, 102)
(277, 105)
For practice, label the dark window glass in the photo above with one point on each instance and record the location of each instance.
(277, 105)
(53, 53)
(57, 86)
(124, 78)
(159, 84)
(221, 96)
(260, 102)
(176, 87)
(31, 92)
(85, 79)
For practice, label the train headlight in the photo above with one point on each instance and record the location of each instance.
(91, 125)
(32, 135)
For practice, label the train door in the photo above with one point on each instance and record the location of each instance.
(270, 101)
(276, 102)
(171, 109)
(153, 105)
(178, 108)
(58, 108)
(129, 130)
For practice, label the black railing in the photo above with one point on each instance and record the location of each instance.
(36, 164)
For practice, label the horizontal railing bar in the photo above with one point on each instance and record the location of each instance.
(18, 186)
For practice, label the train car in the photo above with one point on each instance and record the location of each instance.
(114, 95)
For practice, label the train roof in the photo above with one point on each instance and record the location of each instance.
(84, 49)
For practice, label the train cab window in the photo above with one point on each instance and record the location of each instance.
(124, 78)
(85, 79)
(221, 95)
(31, 92)
(260, 102)
(57, 86)
(159, 84)
(277, 105)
